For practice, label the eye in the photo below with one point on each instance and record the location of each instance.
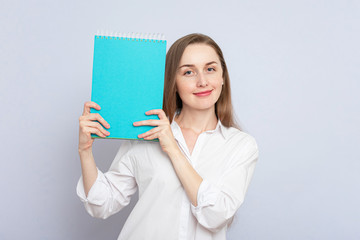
(210, 69)
(188, 72)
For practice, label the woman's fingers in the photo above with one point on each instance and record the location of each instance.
(148, 133)
(160, 125)
(151, 122)
(94, 131)
(99, 127)
(154, 122)
(93, 127)
(93, 123)
(152, 137)
(89, 105)
(89, 123)
(161, 114)
(97, 117)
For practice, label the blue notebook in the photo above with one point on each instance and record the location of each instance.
(128, 80)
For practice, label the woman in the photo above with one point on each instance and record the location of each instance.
(194, 179)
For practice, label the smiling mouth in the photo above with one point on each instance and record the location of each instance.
(204, 93)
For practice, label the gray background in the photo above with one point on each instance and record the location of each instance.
(294, 68)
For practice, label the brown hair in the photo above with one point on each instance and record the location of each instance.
(172, 101)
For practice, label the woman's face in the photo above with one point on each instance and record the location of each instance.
(199, 77)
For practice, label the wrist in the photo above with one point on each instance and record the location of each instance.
(85, 151)
(174, 152)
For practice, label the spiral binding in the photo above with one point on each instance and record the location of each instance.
(134, 36)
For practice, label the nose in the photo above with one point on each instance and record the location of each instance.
(201, 80)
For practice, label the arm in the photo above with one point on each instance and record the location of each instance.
(87, 126)
(213, 205)
(111, 191)
(88, 169)
(187, 175)
(218, 202)
(102, 194)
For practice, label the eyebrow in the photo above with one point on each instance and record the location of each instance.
(192, 65)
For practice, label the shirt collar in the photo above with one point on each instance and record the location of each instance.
(222, 129)
(219, 128)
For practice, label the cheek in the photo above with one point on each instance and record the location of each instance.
(217, 81)
(216, 78)
(183, 87)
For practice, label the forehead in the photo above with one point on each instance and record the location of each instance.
(199, 54)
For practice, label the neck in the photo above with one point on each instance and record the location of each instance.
(197, 120)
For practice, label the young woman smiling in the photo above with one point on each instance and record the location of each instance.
(191, 182)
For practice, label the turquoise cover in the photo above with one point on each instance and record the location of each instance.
(128, 80)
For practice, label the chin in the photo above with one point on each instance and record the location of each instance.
(200, 104)
(202, 107)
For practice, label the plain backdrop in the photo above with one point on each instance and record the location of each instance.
(294, 68)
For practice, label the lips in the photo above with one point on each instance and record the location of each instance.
(203, 94)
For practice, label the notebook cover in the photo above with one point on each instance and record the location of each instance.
(128, 80)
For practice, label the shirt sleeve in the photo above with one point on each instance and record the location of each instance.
(112, 190)
(218, 202)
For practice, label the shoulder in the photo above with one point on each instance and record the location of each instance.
(240, 139)
(234, 134)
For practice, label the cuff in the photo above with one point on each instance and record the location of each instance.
(207, 196)
(97, 192)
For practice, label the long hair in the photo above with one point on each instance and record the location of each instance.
(172, 101)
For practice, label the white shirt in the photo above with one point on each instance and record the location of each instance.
(225, 158)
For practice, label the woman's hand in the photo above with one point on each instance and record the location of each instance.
(162, 131)
(88, 125)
